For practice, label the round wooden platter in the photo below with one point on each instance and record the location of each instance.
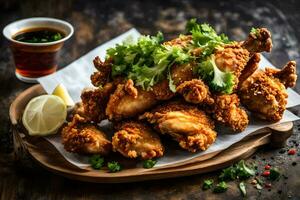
(49, 158)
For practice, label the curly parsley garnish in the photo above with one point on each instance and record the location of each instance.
(96, 161)
(148, 61)
(207, 184)
(149, 163)
(114, 166)
(220, 187)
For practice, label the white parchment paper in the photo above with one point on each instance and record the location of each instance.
(76, 76)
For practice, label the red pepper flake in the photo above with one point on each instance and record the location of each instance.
(268, 185)
(266, 173)
(267, 167)
(292, 152)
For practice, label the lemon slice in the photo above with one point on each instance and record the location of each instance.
(44, 115)
(62, 92)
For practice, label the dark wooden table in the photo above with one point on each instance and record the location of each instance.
(98, 21)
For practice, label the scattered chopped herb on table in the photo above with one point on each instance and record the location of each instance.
(149, 163)
(207, 184)
(274, 174)
(220, 187)
(242, 187)
(114, 166)
(96, 161)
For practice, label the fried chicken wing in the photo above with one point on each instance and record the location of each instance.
(264, 93)
(80, 136)
(135, 139)
(128, 101)
(186, 124)
(94, 102)
(226, 110)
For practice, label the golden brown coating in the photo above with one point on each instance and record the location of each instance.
(135, 139)
(258, 41)
(186, 124)
(182, 41)
(227, 111)
(195, 91)
(102, 76)
(232, 58)
(94, 102)
(127, 101)
(183, 72)
(287, 75)
(250, 68)
(265, 95)
(79, 136)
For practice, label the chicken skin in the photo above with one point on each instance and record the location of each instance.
(195, 91)
(94, 102)
(186, 124)
(264, 93)
(137, 140)
(226, 110)
(80, 136)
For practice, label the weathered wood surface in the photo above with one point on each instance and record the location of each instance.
(96, 22)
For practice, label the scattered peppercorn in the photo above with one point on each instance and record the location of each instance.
(267, 167)
(279, 191)
(294, 163)
(292, 152)
(266, 173)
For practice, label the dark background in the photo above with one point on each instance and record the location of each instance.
(98, 21)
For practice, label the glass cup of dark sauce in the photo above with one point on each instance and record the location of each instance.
(35, 44)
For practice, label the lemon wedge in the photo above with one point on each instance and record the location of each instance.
(44, 115)
(62, 92)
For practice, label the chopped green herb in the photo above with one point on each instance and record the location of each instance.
(217, 80)
(96, 161)
(207, 184)
(254, 31)
(146, 62)
(205, 37)
(243, 171)
(239, 170)
(242, 187)
(228, 174)
(274, 174)
(149, 163)
(220, 187)
(114, 166)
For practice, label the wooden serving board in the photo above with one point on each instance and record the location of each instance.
(49, 158)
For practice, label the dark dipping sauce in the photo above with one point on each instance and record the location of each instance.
(35, 61)
(39, 35)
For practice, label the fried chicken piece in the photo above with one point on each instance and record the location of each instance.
(94, 102)
(250, 68)
(186, 124)
(287, 75)
(226, 110)
(264, 93)
(80, 136)
(258, 41)
(102, 76)
(128, 101)
(195, 91)
(135, 139)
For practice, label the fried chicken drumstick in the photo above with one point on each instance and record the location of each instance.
(186, 124)
(264, 93)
